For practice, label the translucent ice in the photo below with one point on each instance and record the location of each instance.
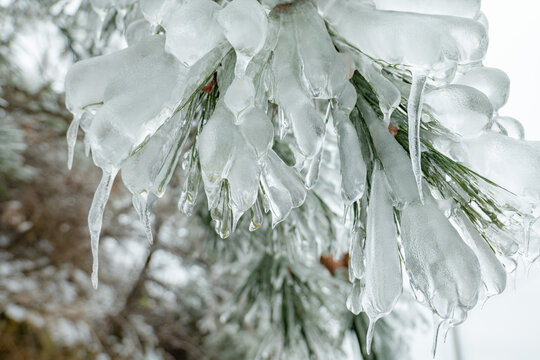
(155, 10)
(510, 163)
(440, 265)
(323, 69)
(462, 8)
(494, 83)
(357, 258)
(353, 168)
(383, 269)
(492, 272)
(192, 30)
(240, 96)
(245, 26)
(424, 42)
(510, 127)
(354, 300)
(461, 109)
(257, 130)
(95, 217)
(394, 158)
(307, 123)
(282, 187)
(414, 113)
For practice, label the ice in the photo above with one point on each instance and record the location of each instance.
(354, 300)
(192, 30)
(434, 44)
(192, 183)
(216, 145)
(494, 83)
(492, 272)
(357, 258)
(115, 81)
(414, 113)
(149, 169)
(243, 179)
(510, 163)
(137, 31)
(154, 10)
(461, 109)
(394, 158)
(307, 123)
(95, 217)
(353, 167)
(440, 265)
(256, 216)
(323, 68)
(257, 130)
(383, 269)
(72, 139)
(461, 8)
(510, 127)
(282, 187)
(240, 96)
(245, 26)
(388, 94)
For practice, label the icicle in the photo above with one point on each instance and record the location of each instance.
(191, 186)
(142, 203)
(383, 270)
(370, 333)
(222, 213)
(256, 215)
(440, 325)
(414, 110)
(283, 124)
(72, 139)
(95, 217)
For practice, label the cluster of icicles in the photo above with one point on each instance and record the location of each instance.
(289, 81)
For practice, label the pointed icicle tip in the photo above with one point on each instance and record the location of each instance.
(414, 111)
(95, 218)
(370, 333)
(440, 326)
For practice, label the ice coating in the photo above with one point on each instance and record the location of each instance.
(494, 83)
(509, 126)
(429, 43)
(414, 112)
(357, 258)
(353, 167)
(388, 94)
(322, 67)
(240, 96)
(394, 158)
(154, 10)
(306, 122)
(461, 109)
(383, 269)
(509, 162)
(492, 272)
(461, 8)
(137, 31)
(282, 187)
(354, 300)
(440, 265)
(192, 30)
(245, 25)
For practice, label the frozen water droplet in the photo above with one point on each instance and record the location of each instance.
(354, 300)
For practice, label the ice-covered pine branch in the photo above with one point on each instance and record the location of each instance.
(281, 110)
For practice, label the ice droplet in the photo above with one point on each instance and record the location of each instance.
(414, 113)
(95, 217)
(354, 300)
(143, 203)
(357, 257)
